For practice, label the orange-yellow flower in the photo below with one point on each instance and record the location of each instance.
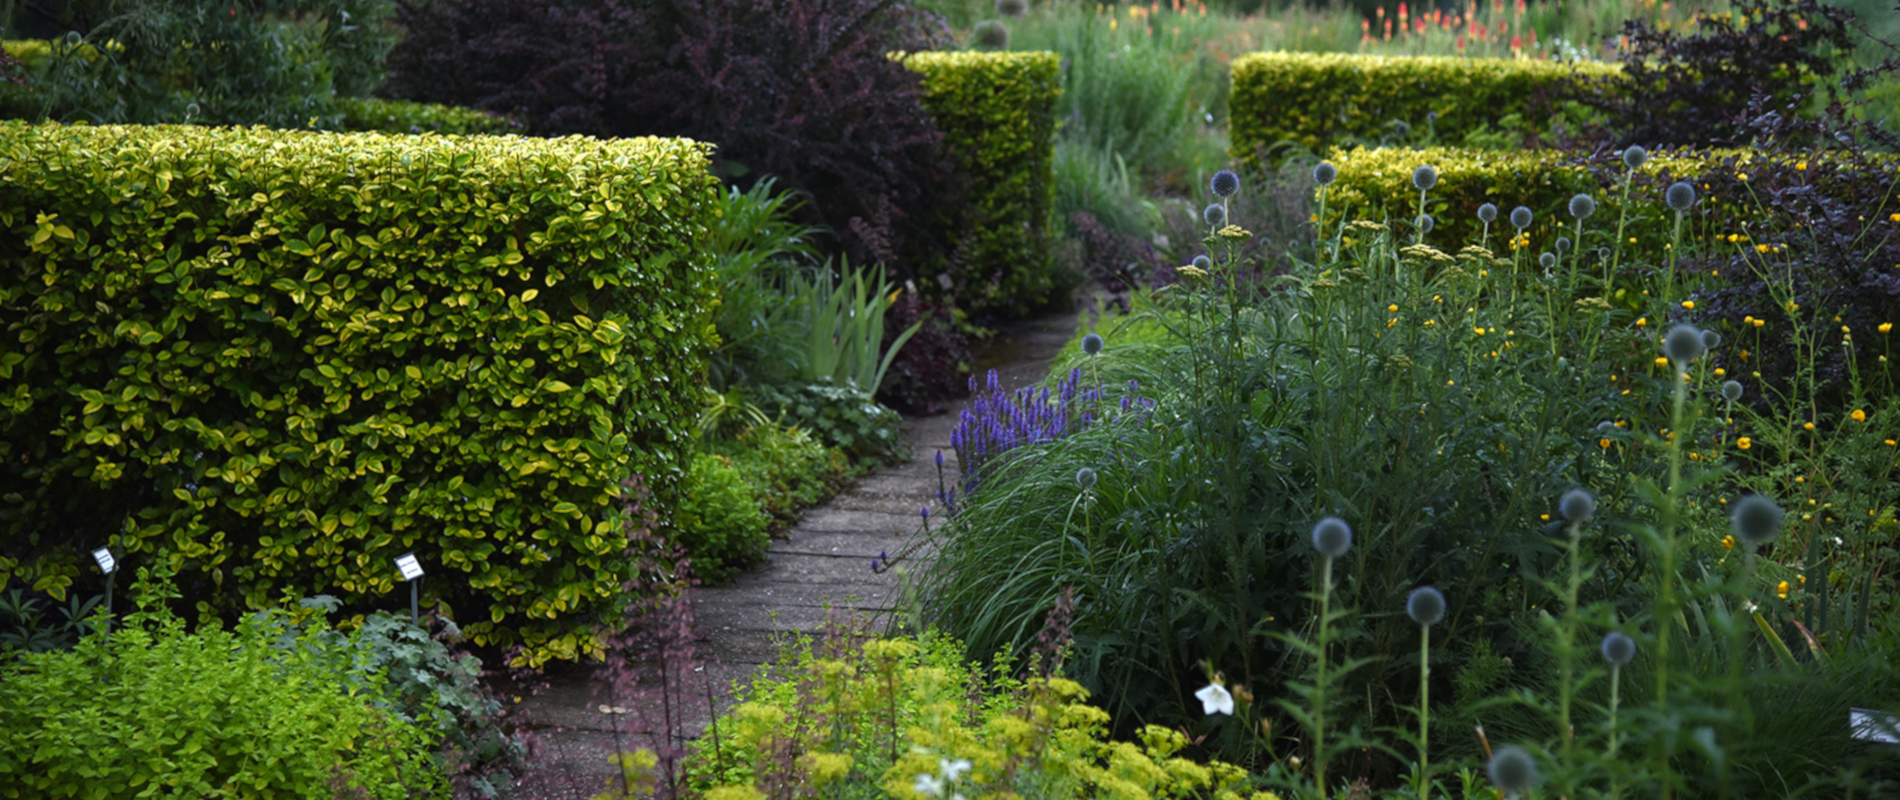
(1728, 542)
(1743, 443)
(1859, 415)
(1781, 590)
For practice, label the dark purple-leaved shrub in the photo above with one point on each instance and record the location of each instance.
(932, 364)
(801, 89)
(1691, 86)
(1824, 223)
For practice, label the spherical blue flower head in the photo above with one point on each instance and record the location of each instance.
(1224, 184)
(1424, 178)
(1606, 426)
(1680, 196)
(1547, 260)
(1487, 213)
(1203, 263)
(1521, 217)
(1731, 390)
(1711, 339)
(1618, 648)
(1085, 478)
(1577, 505)
(991, 34)
(1756, 519)
(1426, 223)
(1683, 344)
(1215, 215)
(1512, 770)
(1634, 156)
(1092, 344)
(1563, 245)
(1582, 206)
(1425, 605)
(1325, 173)
(1332, 537)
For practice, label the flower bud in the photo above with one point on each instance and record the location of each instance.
(1577, 505)
(1425, 605)
(1512, 770)
(1731, 390)
(1424, 178)
(1618, 648)
(1521, 217)
(1683, 344)
(1224, 184)
(1487, 213)
(1325, 173)
(1332, 537)
(1756, 519)
(1582, 206)
(1092, 344)
(1215, 215)
(1634, 156)
(1680, 196)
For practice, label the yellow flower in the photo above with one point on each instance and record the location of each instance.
(1544, 517)
(1641, 321)
(1803, 579)
(1807, 426)
(1720, 372)
(1894, 218)
(1781, 590)
(1430, 322)
(1689, 304)
(1859, 415)
(1728, 542)
(1886, 327)
(1892, 443)
(1191, 271)
(1743, 443)
(1603, 443)
(1662, 362)
(1761, 248)
(1392, 309)
(1802, 166)
(1759, 323)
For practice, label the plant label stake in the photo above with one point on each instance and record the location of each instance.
(411, 572)
(110, 567)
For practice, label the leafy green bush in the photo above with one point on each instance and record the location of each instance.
(841, 416)
(864, 719)
(1316, 99)
(280, 63)
(402, 116)
(268, 709)
(719, 521)
(787, 469)
(454, 345)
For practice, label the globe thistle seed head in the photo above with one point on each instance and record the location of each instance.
(1425, 605)
(1012, 8)
(1577, 505)
(1487, 213)
(1092, 344)
(1711, 339)
(1215, 215)
(1224, 184)
(1756, 519)
(1562, 244)
(1683, 344)
(1085, 478)
(1426, 223)
(1731, 390)
(1325, 173)
(1203, 263)
(1548, 260)
(1618, 648)
(1332, 537)
(1582, 206)
(1424, 178)
(1521, 217)
(990, 34)
(1634, 156)
(1512, 770)
(1680, 196)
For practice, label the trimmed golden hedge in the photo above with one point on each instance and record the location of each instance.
(997, 112)
(1320, 99)
(284, 358)
(402, 116)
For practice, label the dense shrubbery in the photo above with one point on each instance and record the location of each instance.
(802, 90)
(269, 708)
(281, 63)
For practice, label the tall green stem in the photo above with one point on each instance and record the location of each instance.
(1424, 710)
(1319, 709)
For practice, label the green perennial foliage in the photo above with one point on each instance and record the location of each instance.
(284, 358)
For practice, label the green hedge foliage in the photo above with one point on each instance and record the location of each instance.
(720, 522)
(1319, 99)
(270, 709)
(997, 114)
(402, 116)
(282, 359)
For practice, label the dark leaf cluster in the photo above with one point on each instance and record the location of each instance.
(1691, 87)
(930, 368)
(801, 89)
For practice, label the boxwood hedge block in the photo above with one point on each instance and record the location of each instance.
(997, 112)
(402, 116)
(1320, 99)
(284, 358)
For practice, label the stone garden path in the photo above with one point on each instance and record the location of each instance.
(822, 562)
